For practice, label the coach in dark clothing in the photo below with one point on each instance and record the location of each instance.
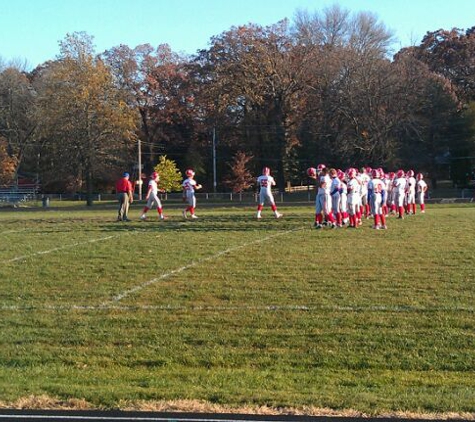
(125, 195)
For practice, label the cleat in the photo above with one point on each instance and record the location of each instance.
(278, 215)
(194, 216)
(143, 217)
(318, 226)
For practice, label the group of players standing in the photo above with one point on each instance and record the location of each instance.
(343, 198)
(347, 197)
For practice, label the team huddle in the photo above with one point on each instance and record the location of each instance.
(343, 198)
(346, 197)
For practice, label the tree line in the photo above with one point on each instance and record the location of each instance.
(322, 88)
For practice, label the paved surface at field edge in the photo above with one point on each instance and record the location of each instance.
(105, 416)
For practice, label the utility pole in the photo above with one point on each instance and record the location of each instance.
(140, 181)
(214, 160)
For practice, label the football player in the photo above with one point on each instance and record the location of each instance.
(364, 178)
(421, 187)
(323, 199)
(376, 193)
(152, 197)
(411, 192)
(343, 196)
(335, 193)
(189, 186)
(354, 197)
(399, 187)
(265, 183)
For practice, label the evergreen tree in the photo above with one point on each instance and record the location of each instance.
(170, 176)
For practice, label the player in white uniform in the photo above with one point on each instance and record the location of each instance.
(399, 187)
(335, 193)
(265, 183)
(386, 184)
(189, 186)
(376, 193)
(421, 187)
(391, 193)
(364, 179)
(354, 197)
(152, 197)
(411, 192)
(343, 197)
(323, 200)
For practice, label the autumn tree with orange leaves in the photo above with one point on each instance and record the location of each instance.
(7, 164)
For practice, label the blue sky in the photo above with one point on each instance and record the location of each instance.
(30, 29)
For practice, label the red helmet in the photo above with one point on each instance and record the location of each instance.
(266, 171)
(154, 175)
(375, 173)
(391, 175)
(410, 173)
(351, 172)
(312, 172)
(340, 174)
(320, 167)
(420, 176)
(400, 173)
(190, 172)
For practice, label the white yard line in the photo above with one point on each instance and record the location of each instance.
(142, 286)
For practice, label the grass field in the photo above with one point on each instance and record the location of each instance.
(231, 311)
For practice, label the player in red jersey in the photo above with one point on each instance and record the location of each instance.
(125, 196)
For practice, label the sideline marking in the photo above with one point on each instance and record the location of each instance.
(13, 231)
(266, 308)
(142, 286)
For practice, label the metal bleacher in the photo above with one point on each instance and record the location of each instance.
(17, 194)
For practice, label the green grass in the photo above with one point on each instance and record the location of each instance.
(240, 312)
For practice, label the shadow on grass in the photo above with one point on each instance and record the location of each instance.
(208, 223)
